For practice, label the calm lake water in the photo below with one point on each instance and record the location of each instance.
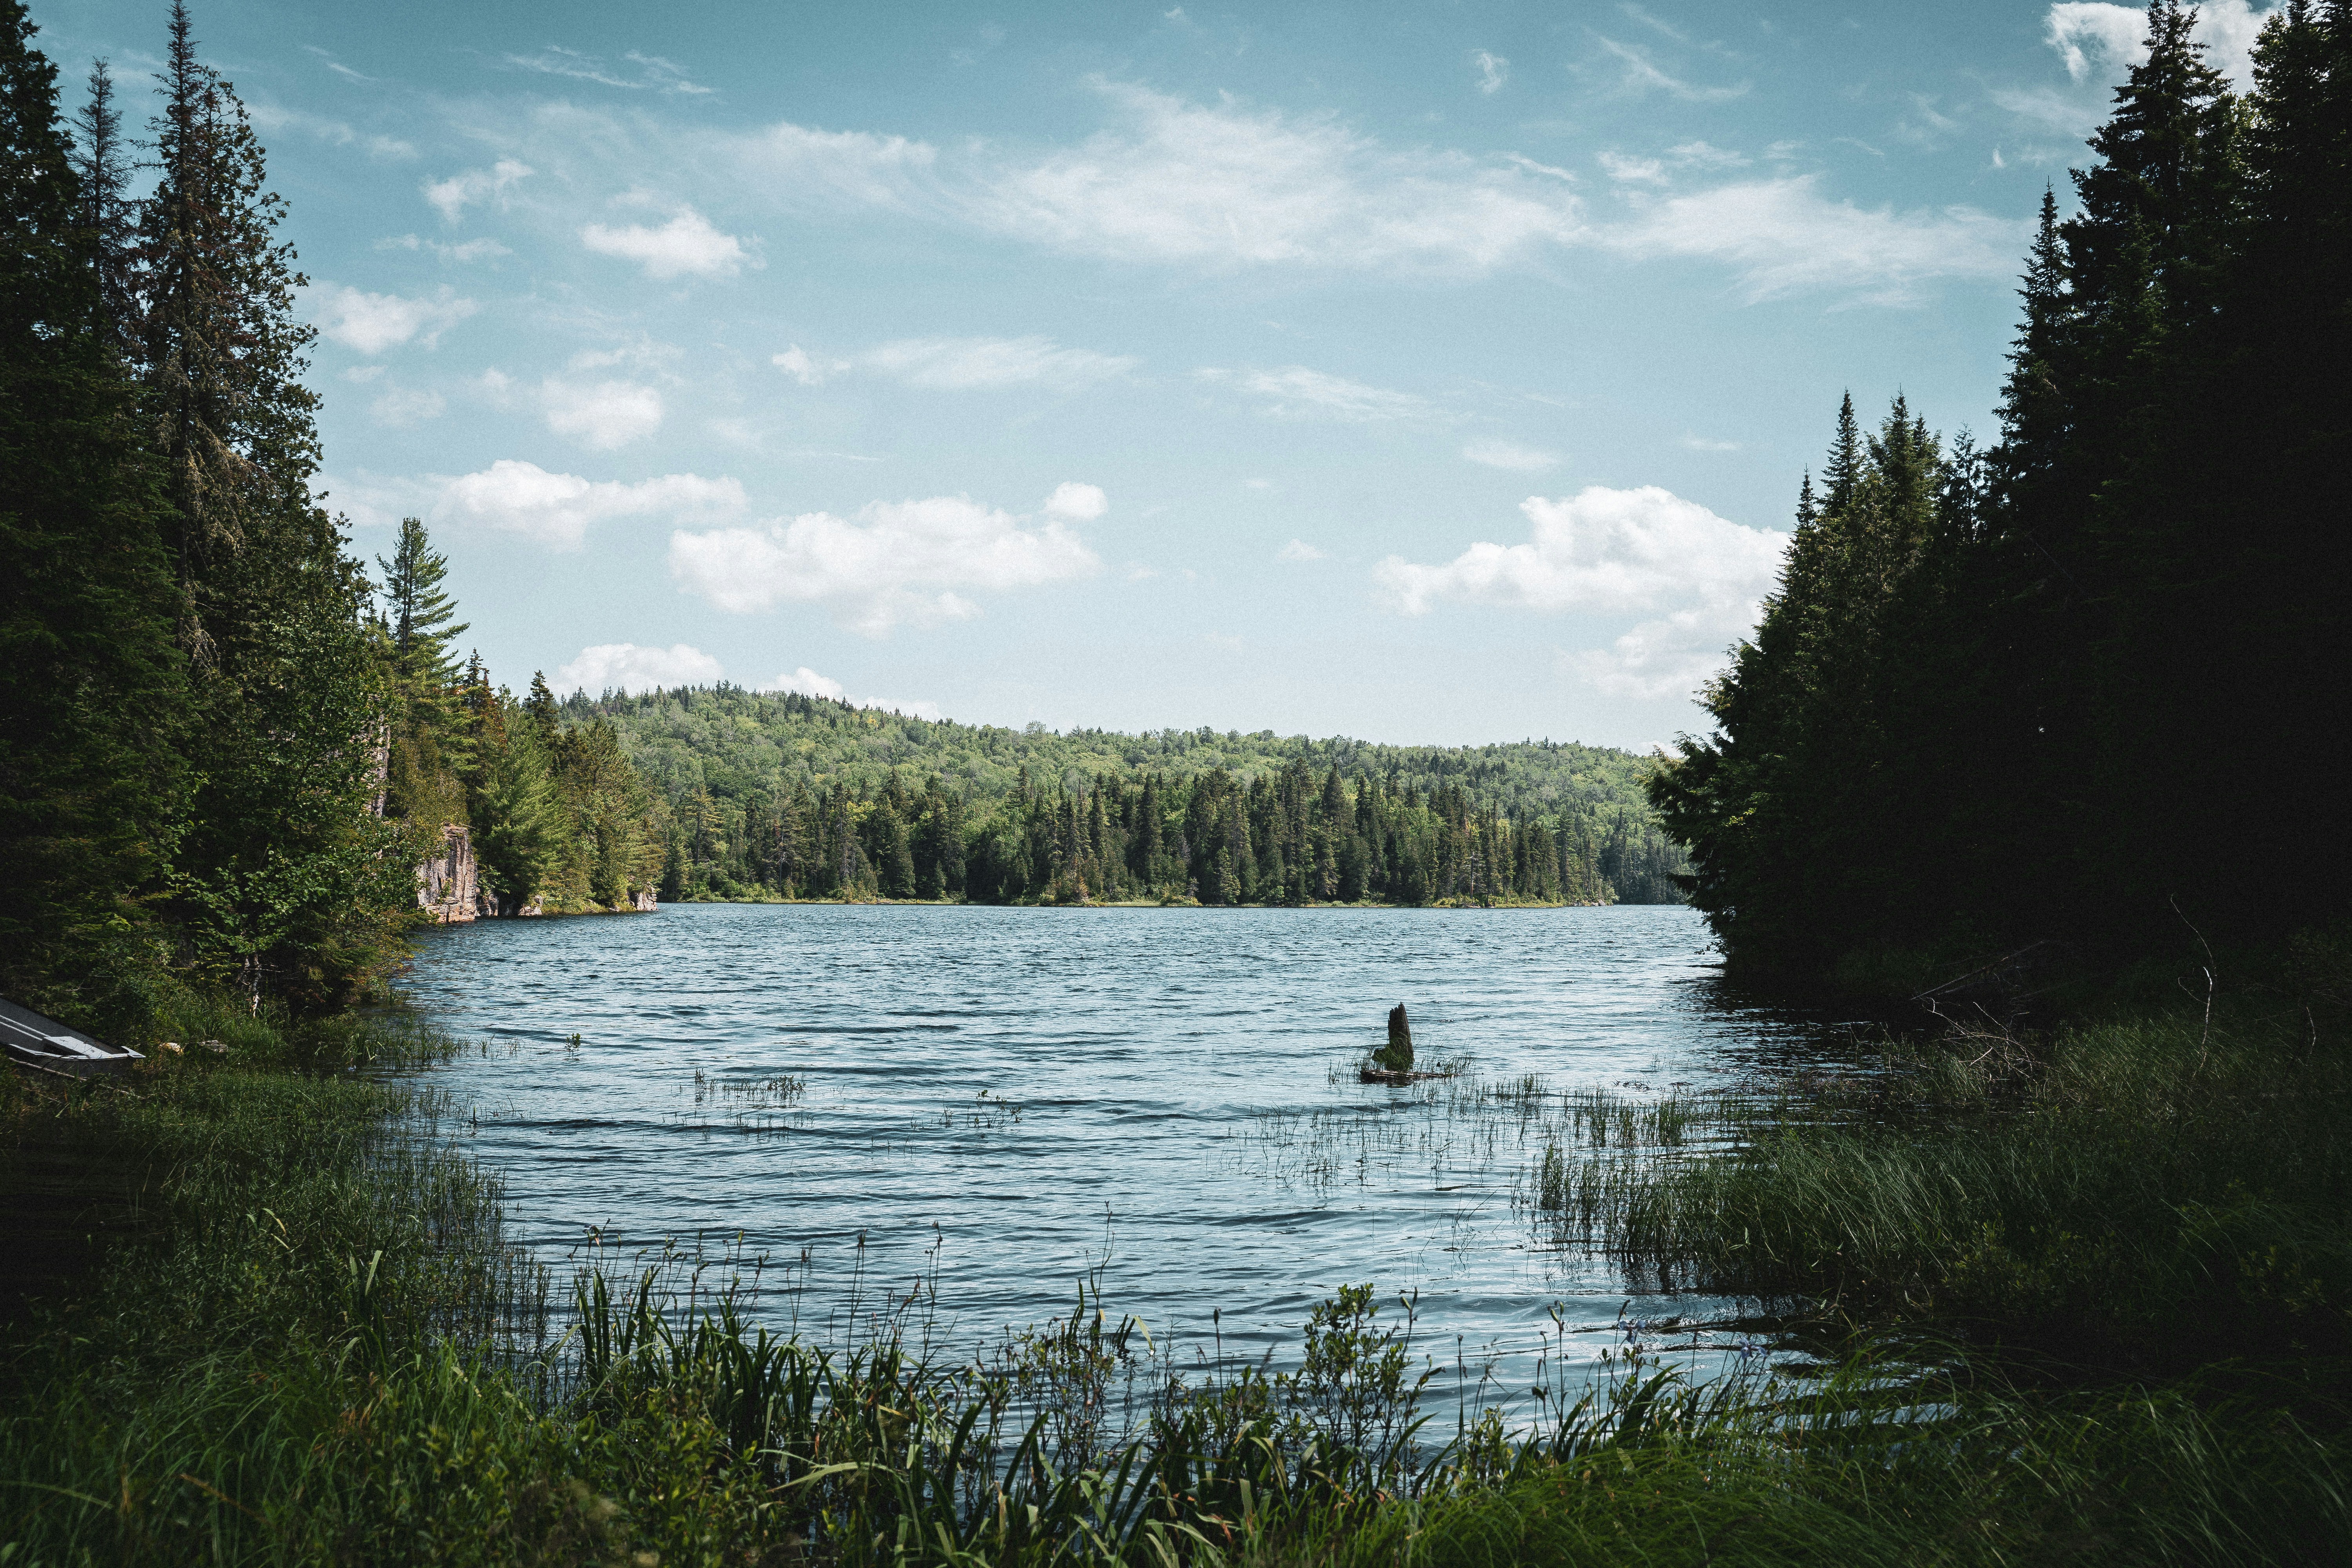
(1003, 1100)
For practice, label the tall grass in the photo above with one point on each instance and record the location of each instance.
(313, 1345)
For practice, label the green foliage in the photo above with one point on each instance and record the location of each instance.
(93, 692)
(2014, 697)
(794, 797)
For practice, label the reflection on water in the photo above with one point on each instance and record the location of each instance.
(1012, 1097)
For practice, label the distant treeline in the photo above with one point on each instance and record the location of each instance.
(787, 795)
(2086, 684)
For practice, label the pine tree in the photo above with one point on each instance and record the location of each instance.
(92, 689)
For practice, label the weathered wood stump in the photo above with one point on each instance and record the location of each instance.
(1397, 1055)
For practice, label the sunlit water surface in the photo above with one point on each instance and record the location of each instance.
(1001, 1101)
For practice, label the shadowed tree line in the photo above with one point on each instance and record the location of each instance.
(2081, 684)
(221, 754)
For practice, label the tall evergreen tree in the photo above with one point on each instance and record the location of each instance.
(91, 792)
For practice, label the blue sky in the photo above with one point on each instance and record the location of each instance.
(1423, 373)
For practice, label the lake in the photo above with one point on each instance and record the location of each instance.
(1000, 1100)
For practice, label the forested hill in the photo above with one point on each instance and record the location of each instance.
(1536, 820)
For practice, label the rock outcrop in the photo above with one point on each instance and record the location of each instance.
(449, 884)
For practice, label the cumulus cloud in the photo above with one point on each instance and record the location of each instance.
(456, 193)
(1494, 70)
(688, 245)
(1603, 551)
(957, 364)
(626, 667)
(1298, 549)
(1298, 392)
(2100, 42)
(372, 323)
(606, 414)
(1504, 455)
(1781, 235)
(1600, 549)
(894, 563)
(1673, 655)
(1074, 503)
(559, 508)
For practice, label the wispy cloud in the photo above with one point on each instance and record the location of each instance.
(1298, 392)
(961, 364)
(1494, 70)
(1783, 235)
(459, 191)
(468, 251)
(1643, 75)
(1504, 455)
(653, 73)
(1300, 550)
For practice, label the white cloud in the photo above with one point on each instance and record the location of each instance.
(456, 193)
(1074, 503)
(1703, 443)
(1503, 454)
(1783, 235)
(1641, 74)
(1600, 550)
(607, 414)
(957, 364)
(654, 72)
(1494, 70)
(402, 407)
(1605, 550)
(372, 323)
(558, 509)
(687, 245)
(1298, 392)
(1298, 549)
(471, 250)
(1174, 181)
(1670, 657)
(626, 667)
(2101, 42)
(895, 561)
(808, 683)
(1647, 171)
(795, 363)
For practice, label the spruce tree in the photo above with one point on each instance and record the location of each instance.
(92, 795)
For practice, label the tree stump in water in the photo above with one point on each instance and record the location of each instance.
(1397, 1055)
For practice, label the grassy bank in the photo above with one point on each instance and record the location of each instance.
(308, 1343)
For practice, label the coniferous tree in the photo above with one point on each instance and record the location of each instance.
(91, 792)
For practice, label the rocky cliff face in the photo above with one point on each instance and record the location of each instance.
(449, 884)
(450, 889)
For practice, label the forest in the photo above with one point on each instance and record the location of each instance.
(223, 748)
(2080, 685)
(788, 795)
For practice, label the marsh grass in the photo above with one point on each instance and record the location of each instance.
(311, 1342)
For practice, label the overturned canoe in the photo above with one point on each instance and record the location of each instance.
(44, 1043)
